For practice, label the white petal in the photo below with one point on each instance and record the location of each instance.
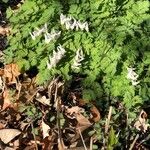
(86, 27)
(32, 36)
(62, 19)
(67, 25)
(48, 37)
(135, 83)
(48, 65)
(81, 25)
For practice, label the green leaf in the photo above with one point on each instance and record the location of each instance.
(112, 139)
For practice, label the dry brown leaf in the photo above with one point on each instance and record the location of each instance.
(6, 135)
(7, 102)
(94, 111)
(96, 114)
(45, 129)
(11, 71)
(82, 121)
(141, 124)
(74, 110)
(4, 30)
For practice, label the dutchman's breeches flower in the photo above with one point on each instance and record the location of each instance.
(132, 76)
(48, 36)
(72, 23)
(38, 31)
(77, 60)
(51, 36)
(56, 57)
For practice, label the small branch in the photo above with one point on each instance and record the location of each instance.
(133, 143)
(108, 120)
(91, 143)
(82, 139)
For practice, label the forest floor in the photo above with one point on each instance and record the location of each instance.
(54, 116)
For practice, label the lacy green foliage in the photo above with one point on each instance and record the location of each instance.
(118, 38)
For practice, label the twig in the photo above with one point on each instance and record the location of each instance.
(108, 120)
(91, 143)
(133, 143)
(19, 85)
(107, 125)
(82, 139)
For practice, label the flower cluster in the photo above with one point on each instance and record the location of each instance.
(48, 36)
(51, 36)
(132, 76)
(72, 23)
(78, 58)
(56, 57)
(38, 31)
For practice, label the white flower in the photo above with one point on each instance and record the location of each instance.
(44, 28)
(134, 82)
(34, 34)
(78, 58)
(56, 57)
(62, 19)
(132, 76)
(72, 23)
(82, 26)
(38, 31)
(51, 36)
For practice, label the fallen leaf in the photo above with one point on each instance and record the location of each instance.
(95, 113)
(83, 121)
(6, 135)
(11, 71)
(141, 124)
(45, 129)
(6, 100)
(74, 110)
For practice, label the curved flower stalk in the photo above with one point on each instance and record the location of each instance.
(132, 76)
(78, 58)
(51, 36)
(72, 23)
(56, 57)
(38, 31)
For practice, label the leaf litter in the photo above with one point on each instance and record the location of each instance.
(36, 117)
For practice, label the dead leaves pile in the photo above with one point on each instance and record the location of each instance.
(36, 117)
